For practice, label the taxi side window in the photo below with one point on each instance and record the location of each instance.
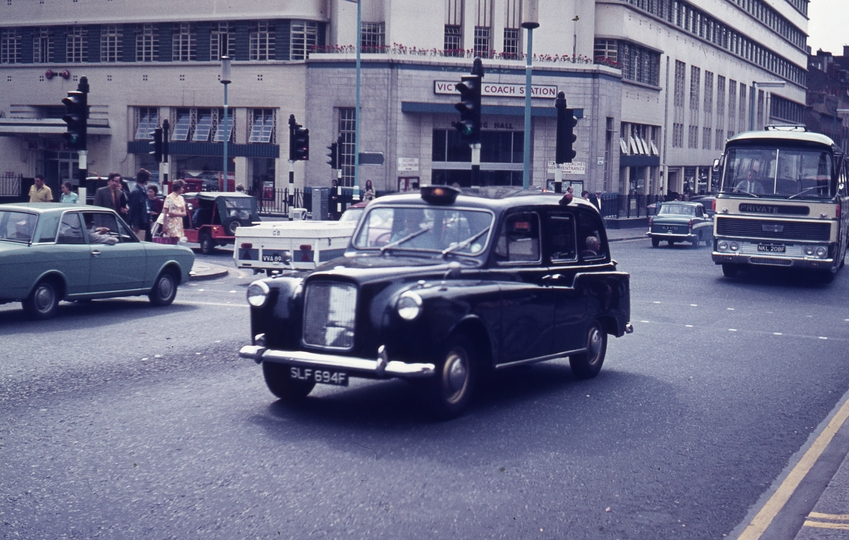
(589, 237)
(70, 229)
(561, 238)
(519, 239)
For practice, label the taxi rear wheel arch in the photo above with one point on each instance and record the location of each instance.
(282, 386)
(588, 364)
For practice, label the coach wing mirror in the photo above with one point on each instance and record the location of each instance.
(716, 165)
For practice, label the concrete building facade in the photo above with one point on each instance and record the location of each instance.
(657, 86)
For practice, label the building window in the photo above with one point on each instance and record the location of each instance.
(483, 41)
(10, 46)
(304, 37)
(638, 63)
(453, 40)
(512, 43)
(75, 45)
(678, 102)
(262, 41)
(148, 120)
(203, 127)
(182, 126)
(732, 107)
(222, 41)
(220, 134)
(373, 37)
(695, 98)
(147, 43)
(744, 120)
(42, 46)
(347, 128)
(262, 126)
(111, 43)
(606, 49)
(184, 43)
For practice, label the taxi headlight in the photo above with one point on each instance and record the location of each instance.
(821, 252)
(409, 306)
(257, 293)
(722, 245)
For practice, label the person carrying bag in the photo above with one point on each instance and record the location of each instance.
(168, 228)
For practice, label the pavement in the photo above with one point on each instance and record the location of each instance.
(203, 270)
(798, 507)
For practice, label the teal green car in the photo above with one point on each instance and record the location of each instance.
(51, 252)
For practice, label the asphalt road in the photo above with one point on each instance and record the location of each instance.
(122, 420)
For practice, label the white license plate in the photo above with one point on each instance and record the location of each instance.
(322, 376)
(772, 248)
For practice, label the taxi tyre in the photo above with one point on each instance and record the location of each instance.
(164, 289)
(587, 365)
(282, 386)
(207, 246)
(43, 301)
(450, 390)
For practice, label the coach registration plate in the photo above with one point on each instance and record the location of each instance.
(772, 248)
(323, 376)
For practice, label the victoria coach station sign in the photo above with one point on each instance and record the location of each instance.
(498, 89)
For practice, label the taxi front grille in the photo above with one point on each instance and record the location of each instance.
(774, 229)
(329, 315)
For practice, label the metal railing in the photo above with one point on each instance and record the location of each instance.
(10, 185)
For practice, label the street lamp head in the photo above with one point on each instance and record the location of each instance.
(225, 70)
(530, 14)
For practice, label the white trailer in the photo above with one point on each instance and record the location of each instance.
(276, 246)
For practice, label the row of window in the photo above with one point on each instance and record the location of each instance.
(205, 125)
(637, 63)
(737, 109)
(180, 42)
(696, 22)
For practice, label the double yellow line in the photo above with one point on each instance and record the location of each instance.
(827, 521)
(773, 506)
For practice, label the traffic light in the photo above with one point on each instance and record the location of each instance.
(299, 143)
(566, 123)
(76, 116)
(333, 155)
(469, 106)
(157, 145)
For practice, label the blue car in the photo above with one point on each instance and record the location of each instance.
(51, 252)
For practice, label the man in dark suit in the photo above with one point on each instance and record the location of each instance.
(111, 195)
(139, 218)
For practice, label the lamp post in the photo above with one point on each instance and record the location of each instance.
(225, 80)
(755, 85)
(530, 20)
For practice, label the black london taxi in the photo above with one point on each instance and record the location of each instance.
(438, 287)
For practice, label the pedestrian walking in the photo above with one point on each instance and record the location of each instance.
(170, 221)
(38, 192)
(138, 215)
(111, 195)
(68, 196)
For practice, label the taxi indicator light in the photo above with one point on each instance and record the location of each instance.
(439, 194)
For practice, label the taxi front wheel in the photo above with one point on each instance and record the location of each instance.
(450, 390)
(587, 364)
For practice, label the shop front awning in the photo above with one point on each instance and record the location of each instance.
(10, 127)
